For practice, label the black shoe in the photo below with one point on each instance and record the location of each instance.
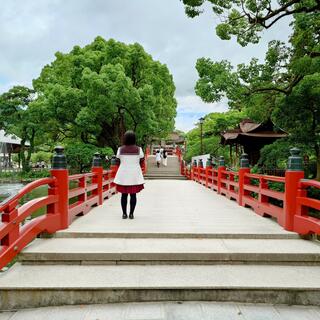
(131, 216)
(124, 216)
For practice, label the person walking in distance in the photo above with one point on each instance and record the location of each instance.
(164, 157)
(158, 158)
(129, 178)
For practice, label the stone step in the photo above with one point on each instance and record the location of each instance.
(163, 170)
(167, 173)
(26, 286)
(165, 177)
(170, 251)
(170, 234)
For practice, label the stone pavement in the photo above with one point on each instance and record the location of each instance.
(186, 243)
(173, 208)
(168, 311)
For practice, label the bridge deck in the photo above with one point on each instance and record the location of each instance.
(241, 257)
(173, 208)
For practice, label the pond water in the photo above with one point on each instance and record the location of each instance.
(10, 189)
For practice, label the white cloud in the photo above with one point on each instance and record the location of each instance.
(191, 108)
(193, 103)
(32, 31)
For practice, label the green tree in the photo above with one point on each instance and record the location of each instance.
(284, 88)
(80, 155)
(18, 116)
(300, 113)
(246, 19)
(214, 124)
(93, 94)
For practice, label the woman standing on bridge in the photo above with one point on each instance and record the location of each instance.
(129, 178)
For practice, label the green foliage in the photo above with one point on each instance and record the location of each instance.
(284, 88)
(41, 156)
(80, 155)
(276, 155)
(18, 116)
(95, 93)
(247, 19)
(213, 125)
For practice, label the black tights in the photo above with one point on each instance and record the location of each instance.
(124, 200)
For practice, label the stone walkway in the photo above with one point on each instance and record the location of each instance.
(168, 311)
(173, 208)
(186, 243)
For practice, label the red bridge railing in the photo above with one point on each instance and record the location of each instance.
(290, 204)
(68, 196)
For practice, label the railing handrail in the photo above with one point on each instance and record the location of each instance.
(290, 205)
(26, 189)
(305, 183)
(265, 177)
(59, 213)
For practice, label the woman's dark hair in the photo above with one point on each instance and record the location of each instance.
(129, 138)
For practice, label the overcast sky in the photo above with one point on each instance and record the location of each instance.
(32, 31)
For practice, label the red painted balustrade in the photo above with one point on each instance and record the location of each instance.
(178, 153)
(293, 208)
(68, 196)
(144, 165)
(303, 222)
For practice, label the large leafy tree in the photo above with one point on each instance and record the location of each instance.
(246, 19)
(285, 87)
(93, 94)
(19, 116)
(214, 124)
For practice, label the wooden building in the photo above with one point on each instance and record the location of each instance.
(250, 137)
(9, 144)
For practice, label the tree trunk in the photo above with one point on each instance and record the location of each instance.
(24, 163)
(30, 149)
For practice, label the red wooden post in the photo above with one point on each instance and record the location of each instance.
(146, 155)
(194, 170)
(182, 168)
(82, 197)
(221, 168)
(244, 168)
(242, 181)
(98, 170)
(263, 199)
(294, 174)
(208, 167)
(114, 168)
(200, 171)
(60, 172)
(9, 214)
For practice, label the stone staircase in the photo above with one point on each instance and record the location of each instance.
(62, 271)
(171, 171)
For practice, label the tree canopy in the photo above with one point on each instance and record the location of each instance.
(19, 116)
(246, 19)
(214, 124)
(95, 93)
(285, 87)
